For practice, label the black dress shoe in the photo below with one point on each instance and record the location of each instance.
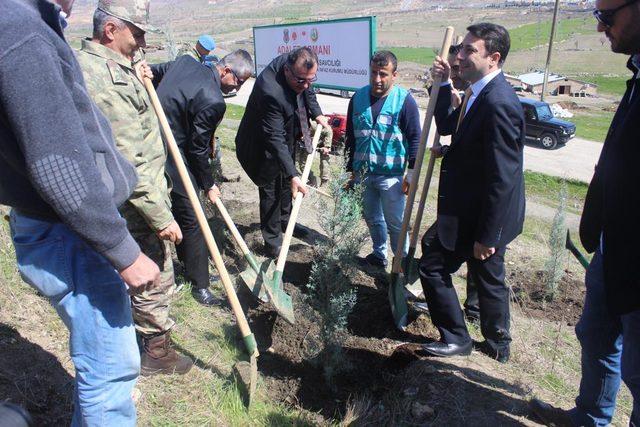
(300, 231)
(502, 355)
(442, 349)
(205, 297)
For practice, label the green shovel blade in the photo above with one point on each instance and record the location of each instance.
(397, 300)
(279, 298)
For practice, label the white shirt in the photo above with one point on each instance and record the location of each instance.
(477, 87)
(635, 59)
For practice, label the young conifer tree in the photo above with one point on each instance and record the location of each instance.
(331, 291)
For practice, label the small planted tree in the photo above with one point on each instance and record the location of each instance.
(330, 289)
(554, 267)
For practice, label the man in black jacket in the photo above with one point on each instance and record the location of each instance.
(481, 195)
(278, 110)
(191, 96)
(609, 328)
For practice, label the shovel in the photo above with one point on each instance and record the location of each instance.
(397, 298)
(248, 337)
(273, 284)
(576, 252)
(251, 275)
(411, 264)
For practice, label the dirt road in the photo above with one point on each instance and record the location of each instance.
(575, 160)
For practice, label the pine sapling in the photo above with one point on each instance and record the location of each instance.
(330, 289)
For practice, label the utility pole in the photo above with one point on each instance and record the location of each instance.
(546, 67)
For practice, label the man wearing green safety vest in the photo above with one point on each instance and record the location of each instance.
(383, 134)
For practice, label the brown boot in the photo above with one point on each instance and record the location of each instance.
(160, 358)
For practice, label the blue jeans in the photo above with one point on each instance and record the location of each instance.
(610, 352)
(383, 208)
(92, 301)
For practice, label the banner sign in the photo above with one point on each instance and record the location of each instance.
(344, 48)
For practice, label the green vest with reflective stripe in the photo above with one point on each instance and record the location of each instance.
(380, 147)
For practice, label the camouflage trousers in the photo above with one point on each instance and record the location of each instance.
(301, 160)
(151, 308)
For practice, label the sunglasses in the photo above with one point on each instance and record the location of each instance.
(454, 49)
(605, 16)
(300, 80)
(239, 82)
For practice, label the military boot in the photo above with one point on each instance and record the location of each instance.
(159, 357)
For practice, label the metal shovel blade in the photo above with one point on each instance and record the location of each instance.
(410, 266)
(272, 284)
(247, 375)
(253, 279)
(397, 300)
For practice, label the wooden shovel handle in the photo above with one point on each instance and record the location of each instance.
(232, 227)
(426, 126)
(297, 202)
(197, 207)
(415, 232)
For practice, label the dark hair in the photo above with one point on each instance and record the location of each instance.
(382, 57)
(305, 54)
(496, 38)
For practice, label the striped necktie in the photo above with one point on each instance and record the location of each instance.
(463, 107)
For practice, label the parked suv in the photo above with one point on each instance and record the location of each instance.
(542, 127)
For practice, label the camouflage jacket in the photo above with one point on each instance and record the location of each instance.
(121, 96)
(190, 50)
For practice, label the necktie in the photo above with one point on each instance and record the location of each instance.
(304, 124)
(463, 107)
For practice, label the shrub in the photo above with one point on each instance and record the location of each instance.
(554, 267)
(330, 289)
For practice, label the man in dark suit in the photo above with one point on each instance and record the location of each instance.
(481, 195)
(277, 112)
(609, 328)
(191, 96)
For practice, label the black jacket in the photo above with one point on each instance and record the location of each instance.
(612, 206)
(481, 190)
(193, 103)
(267, 132)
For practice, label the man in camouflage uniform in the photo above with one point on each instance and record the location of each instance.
(106, 60)
(324, 148)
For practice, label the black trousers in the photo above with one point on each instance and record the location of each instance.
(436, 266)
(275, 209)
(192, 252)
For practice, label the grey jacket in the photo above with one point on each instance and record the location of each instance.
(58, 160)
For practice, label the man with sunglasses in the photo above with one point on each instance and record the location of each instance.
(609, 328)
(191, 96)
(278, 110)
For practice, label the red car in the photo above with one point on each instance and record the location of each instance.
(338, 123)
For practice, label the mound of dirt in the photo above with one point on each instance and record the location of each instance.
(530, 293)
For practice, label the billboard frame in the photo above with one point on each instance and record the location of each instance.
(373, 37)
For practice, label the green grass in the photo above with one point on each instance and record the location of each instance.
(234, 112)
(537, 34)
(419, 55)
(593, 127)
(612, 85)
(547, 187)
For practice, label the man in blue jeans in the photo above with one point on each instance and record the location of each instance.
(64, 179)
(609, 328)
(382, 137)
